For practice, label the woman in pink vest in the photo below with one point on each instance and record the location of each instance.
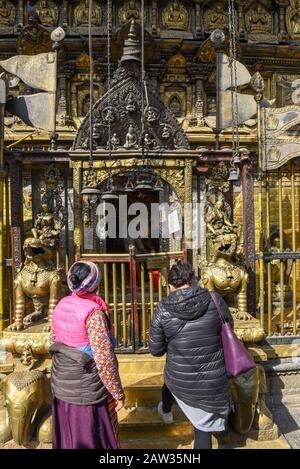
(86, 386)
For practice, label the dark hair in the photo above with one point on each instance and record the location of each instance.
(180, 274)
(78, 273)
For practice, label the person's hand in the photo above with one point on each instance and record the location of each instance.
(119, 404)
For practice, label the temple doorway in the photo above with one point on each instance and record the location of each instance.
(145, 243)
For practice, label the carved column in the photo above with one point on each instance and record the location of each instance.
(198, 95)
(248, 224)
(198, 20)
(62, 104)
(20, 14)
(283, 4)
(188, 216)
(241, 17)
(76, 166)
(15, 170)
(154, 25)
(63, 14)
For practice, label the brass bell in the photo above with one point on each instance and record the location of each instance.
(233, 174)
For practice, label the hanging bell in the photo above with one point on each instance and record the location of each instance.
(90, 191)
(236, 159)
(144, 181)
(233, 174)
(110, 193)
(129, 185)
(159, 185)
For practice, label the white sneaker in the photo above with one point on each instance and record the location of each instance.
(166, 416)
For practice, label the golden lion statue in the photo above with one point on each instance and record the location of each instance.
(37, 285)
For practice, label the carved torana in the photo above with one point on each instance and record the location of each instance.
(120, 109)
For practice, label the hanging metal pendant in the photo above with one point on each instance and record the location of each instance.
(233, 174)
(110, 193)
(130, 187)
(159, 185)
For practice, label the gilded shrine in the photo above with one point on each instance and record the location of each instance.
(148, 119)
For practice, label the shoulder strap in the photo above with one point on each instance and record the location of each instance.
(217, 305)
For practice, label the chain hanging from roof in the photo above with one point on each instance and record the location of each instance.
(232, 23)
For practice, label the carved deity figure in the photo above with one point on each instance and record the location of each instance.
(7, 13)
(115, 141)
(131, 138)
(217, 218)
(47, 12)
(152, 115)
(45, 226)
(216, 18)
(166, 131)
(81, 14)
(27, 359)
(259, 20)
(276, 266)
(273, 153)
(175, 16)
(130, 11)
(293, 19)
(130, 102)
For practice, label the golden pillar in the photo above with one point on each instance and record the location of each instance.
(2, 177)
(76, 165)
(188, 212)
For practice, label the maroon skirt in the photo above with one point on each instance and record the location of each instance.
(84, 426)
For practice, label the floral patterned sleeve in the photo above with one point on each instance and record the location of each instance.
(104, 354)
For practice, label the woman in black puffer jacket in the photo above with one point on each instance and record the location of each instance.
(187, 327)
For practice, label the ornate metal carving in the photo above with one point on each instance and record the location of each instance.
(131, 10)
(47, 12)
(259, 24)
(38, 281)
(175, 16)
(15, 342)
(81, 13)
(52, 189)
(121, 107)
(7, 13)
(27, 400)
(34, 39)
(293, 19)
(216, 17)
(27, 359)
(225, 270)
(277, 259)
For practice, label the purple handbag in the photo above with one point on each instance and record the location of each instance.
(237, 358)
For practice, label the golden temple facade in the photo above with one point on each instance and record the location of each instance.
(248, 231)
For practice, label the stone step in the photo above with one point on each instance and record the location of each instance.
(184, 442)
(140, 364)
(142, 391)
(146, 422)
(144, 426)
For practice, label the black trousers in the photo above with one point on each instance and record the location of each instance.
(202, 440)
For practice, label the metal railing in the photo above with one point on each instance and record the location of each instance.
(132, 285)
